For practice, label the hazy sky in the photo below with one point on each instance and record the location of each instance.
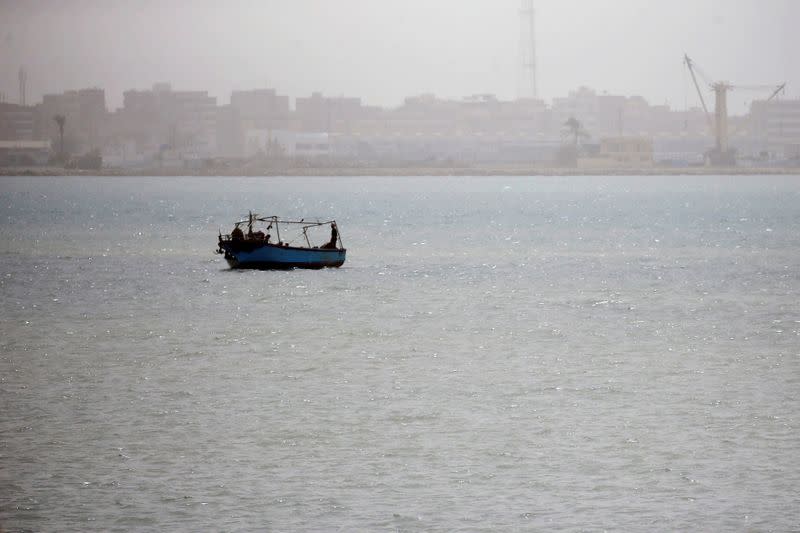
(385, 50)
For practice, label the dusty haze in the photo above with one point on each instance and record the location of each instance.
(383, 51)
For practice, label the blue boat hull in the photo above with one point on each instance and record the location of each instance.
(273, 256)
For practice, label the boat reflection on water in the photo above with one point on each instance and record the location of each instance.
(258, 248)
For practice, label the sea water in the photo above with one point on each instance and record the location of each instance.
(577, 353)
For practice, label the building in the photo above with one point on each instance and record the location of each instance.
(86, 119)
(581, 105)
(620, 152)
(24, 153)
(320, 113)
(189, 120)
(161, 120)
(257, 109)
(16, 122)
(261, 109)
(230, 133)
(283, 143)
(776, 124)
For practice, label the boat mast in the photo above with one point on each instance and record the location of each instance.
(249, 222)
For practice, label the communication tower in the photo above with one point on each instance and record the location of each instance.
(527, 51)
(23, 85)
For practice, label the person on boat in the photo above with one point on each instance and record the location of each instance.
(237, 234)
(334, 237)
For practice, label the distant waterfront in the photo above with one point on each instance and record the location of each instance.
(478, 170)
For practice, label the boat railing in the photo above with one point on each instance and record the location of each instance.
(254, 237)
(274, 221)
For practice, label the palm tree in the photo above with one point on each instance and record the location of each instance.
(60, 120)
(575, 130)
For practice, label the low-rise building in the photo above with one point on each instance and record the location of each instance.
(259, 142)
(620, 152)
(24, 153)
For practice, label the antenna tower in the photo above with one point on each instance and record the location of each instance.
(23, 85)
(527, 50)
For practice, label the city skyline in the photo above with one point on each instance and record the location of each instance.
(371, 52)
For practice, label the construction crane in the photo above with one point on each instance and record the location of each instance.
(722, 153)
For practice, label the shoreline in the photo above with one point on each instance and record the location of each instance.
(416, 171)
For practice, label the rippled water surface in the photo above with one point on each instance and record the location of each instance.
(496, 354)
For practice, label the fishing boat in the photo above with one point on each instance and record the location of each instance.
(257, 248)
